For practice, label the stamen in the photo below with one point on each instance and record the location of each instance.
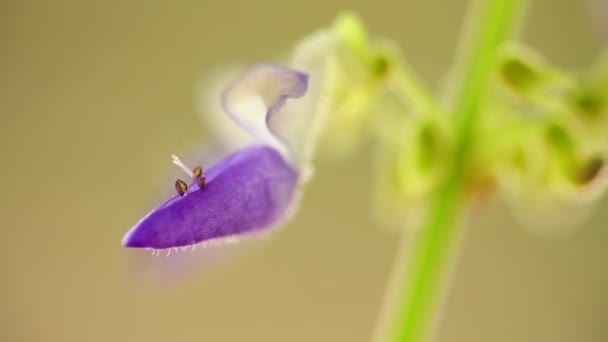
(201, 182)
(182, 166)
(181, 187)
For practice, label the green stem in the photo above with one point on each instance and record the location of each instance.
(429, 260)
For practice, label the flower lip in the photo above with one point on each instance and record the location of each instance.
(247, 192)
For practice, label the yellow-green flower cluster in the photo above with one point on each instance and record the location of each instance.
(543, 136)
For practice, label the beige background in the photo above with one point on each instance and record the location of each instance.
(94, 97)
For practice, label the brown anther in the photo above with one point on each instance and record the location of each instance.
(197, 172)
(181, 187)
(201, 181)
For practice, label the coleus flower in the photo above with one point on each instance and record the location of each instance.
(250, 191)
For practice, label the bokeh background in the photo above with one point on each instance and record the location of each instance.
(94, 97)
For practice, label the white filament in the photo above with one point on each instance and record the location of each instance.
(182, 166)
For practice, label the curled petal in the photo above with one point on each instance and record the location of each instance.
(260, 93)
(250, 191)
(227, 136)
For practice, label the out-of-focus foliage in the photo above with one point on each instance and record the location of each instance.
(540, 141)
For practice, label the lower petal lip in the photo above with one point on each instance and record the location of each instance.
(250, 191)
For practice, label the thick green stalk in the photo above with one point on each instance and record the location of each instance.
(430, 258)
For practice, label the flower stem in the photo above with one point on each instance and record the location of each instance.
(429, 258)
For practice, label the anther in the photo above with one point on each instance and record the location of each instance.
(201, 181)
(181, 187)
(197, 172)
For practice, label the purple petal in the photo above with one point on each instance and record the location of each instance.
(250, 191)
(260, 93)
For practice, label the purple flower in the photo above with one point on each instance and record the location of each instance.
(251, 190)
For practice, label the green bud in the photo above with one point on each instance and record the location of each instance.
(380, 65)
(558, 139)
(431, 144)
(561, 151)
(519, 74)
(589, 104)
(419, 157)
(529, 77)
(590, 98)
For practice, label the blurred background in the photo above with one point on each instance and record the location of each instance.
(95, 96)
